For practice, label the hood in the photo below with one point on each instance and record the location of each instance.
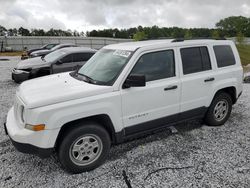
(55, 89)
(31, 63)
(41, 52)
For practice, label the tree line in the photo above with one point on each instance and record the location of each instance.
(228, 27)
(37, 32)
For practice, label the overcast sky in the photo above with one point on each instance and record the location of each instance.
(85, 15)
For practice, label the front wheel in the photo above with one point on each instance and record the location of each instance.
(219, 110)
(84, 148)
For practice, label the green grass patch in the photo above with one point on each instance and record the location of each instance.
(11, 53)
(244, 51)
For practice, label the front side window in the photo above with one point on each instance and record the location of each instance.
(156, 65)
(67, 59)
(105, 66)
(51, 57)
(224, 55)
(195, 59)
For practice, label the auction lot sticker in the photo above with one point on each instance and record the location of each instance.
(122, 53)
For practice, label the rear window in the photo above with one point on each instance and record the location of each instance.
(195, 59)
(224, 55)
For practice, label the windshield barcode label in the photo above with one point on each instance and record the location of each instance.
(122, 53)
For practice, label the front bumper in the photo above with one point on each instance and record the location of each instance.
(27, 141)
(20, 75)
(30, 149)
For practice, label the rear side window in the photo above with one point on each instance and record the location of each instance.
(156, 65)
(79, 57)
(224, 55)
(195, 59)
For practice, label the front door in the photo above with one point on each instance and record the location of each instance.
(63, 65)
(157, 103)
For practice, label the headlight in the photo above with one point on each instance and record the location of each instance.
(19, 71)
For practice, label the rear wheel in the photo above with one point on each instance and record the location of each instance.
(84, 148)
(219, 110)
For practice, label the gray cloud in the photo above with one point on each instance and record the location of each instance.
(89, 14)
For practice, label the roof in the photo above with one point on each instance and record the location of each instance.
(77, 49)
(132, 46)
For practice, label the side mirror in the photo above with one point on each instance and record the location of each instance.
(59, 62)
(135, 81)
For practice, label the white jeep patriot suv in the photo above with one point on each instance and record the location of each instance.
(124, 91)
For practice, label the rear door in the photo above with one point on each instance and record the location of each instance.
(197, 79)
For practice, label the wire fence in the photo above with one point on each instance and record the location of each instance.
(18, 43)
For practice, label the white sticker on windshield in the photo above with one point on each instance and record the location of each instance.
(122, 53)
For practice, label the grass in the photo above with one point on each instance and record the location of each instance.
(11, 53)
(244, 51)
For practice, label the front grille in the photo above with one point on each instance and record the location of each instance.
(28, 70)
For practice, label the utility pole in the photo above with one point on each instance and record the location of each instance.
(2, 46)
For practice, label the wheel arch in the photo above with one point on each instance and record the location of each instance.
(229, 90)
(102, 119)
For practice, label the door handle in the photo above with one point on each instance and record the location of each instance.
(209, 80)
(170, 88)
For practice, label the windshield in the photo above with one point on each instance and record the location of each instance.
(44, 46)
(49, 46)
(105, 65)
(55, 47)
(51, 57)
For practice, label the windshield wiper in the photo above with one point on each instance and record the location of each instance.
(87, 78)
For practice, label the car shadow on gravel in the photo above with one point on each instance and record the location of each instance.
(120, 150)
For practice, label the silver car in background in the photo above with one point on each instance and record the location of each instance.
(62, 60)
(44, 52)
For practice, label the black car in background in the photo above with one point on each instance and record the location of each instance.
(47, 51)
(62, 60)
(27, 53)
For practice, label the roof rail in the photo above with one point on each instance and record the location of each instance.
(157, 38)
(198, 38)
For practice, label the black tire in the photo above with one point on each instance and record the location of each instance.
(67, 156)
(211, 119)
(17, 81)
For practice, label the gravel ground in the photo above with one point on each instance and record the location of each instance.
(193, 156)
